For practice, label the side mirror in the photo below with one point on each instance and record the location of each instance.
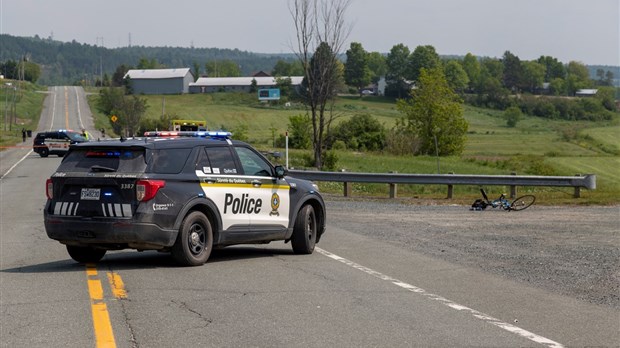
(281, 172)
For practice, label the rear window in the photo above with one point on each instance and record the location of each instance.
(104, 160)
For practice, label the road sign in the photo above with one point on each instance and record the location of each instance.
(114, 118)
(269, 94)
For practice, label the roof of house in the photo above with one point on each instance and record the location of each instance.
(157, 73)
(242, 81)
(586, 91)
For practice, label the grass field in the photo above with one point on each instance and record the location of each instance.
(535, 146)
(28, 101)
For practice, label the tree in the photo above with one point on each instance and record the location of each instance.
(196, 70)
(320, 29)
(435, 115)
(222, 68)
(513, 71)
(456, 76)
(361, 132)
(471, 65)
(284, 68)
(512, 116)
(397, 69)
(423, 57)
(356, 72)
(128, 109)
(119, 75)
(553, 68)
(578, 77)
(377, 66)
(533, 75)
(300, 132)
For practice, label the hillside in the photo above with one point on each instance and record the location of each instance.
(65, 63)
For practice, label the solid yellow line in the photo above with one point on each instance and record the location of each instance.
(117, 285)
(104, 337)
(66, 109)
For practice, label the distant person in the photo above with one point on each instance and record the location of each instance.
(85, 134)
(23, 135)
(102, 132)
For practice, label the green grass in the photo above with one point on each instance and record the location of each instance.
(28, 105)
(535, 146)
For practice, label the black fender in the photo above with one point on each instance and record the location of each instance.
(206, 206)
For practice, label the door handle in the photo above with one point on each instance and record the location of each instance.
(256, 183)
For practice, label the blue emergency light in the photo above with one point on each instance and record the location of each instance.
(199, 134)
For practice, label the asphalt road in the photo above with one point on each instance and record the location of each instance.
(385, 274)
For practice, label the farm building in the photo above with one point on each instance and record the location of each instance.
(236, 84)
(160, 81)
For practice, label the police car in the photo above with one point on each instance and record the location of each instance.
(55, 142)
(181, 192)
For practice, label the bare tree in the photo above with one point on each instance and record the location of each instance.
(320, 32)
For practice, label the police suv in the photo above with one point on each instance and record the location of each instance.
(172, 192)
(55, 142)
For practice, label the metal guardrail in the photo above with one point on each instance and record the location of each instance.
(578, 181)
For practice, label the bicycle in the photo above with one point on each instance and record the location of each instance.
(517, 204)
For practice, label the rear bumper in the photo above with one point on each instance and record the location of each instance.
(112, 234)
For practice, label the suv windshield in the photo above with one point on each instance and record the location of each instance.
(98, 159)
(74, 136)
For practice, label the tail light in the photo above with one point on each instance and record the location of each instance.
(49, 189)
(147, 189)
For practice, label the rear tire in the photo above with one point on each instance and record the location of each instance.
(44, 152)
(304, 231)
(85, 254)
(522, 202)
(194, 241)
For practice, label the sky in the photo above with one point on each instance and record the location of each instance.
(569, 30)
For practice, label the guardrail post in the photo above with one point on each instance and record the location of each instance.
(450, 189)
(347, 189)
(393, 188)
(513, 188)
(577, 193)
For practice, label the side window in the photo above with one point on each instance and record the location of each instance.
(169, 161)
(222, 160)
(202, 163)
(252, 163)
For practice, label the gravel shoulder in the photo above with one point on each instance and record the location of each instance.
(569, 250)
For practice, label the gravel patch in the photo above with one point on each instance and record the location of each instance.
(570, 250)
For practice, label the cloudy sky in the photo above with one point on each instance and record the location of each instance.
(585, 31)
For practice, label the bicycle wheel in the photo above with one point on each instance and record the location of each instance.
(522, 202)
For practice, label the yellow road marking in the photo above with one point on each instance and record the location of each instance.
(66, 109)
(117, 285)
(104, 336)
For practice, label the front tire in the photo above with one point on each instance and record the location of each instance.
(522, 202)
(304, 231)
(194, 241)
(85, 254)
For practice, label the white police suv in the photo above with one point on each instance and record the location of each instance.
(182, 192)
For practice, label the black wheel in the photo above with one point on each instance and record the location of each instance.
(44, 152)
(304, 231)
(194, 241)
(85, 254)
(522, 202)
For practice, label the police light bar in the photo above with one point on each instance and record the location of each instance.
(201, 134)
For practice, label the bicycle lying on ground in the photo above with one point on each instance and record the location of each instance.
(519, 203)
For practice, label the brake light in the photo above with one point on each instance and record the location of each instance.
(49, 189)
(147, 189)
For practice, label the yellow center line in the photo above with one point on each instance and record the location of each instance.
(117, 285)
(104, 336)
(66, 109)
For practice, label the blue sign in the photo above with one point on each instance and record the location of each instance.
(269, 94)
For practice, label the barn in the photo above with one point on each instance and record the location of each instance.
(236, 84)
(160, 81)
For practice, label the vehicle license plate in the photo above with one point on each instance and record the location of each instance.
(90, 194)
